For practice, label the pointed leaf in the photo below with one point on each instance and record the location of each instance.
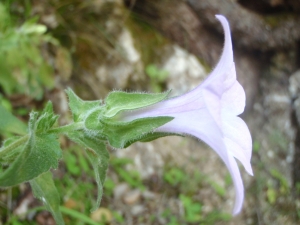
(98, 156)
(44, 189)
(47, 118)
(10, 123)
(118, 101)
(79, 107)
(119, 134)
(150, 137)
(40, 153)
(99, 159)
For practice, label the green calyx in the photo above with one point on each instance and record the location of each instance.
(101, 120)
(99, 125)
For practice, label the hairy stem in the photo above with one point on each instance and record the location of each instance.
(23, 140)
(13, 145)
(67, 128)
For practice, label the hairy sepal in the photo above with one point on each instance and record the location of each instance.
(81, 109)
(103, 121)
(118, 101)
(122, 134)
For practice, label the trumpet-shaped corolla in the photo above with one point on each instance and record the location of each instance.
(210, 112)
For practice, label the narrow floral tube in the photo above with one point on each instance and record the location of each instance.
(210, 112)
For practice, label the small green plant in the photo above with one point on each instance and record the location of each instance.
(157, 77)
(173, 220)
(131, 177)
(215, 216)
(174, 176)
(192, 210)
(118, 217)
(277, 187)
(278, 139)
(76, 162)
(256, 146)
(271, 194)
(218, 188)
(297, 187)
(284, 186)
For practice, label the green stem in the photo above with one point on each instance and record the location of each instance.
(23, 140)
(13, 145)
(66, 128)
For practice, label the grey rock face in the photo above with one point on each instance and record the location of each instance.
(253, 31)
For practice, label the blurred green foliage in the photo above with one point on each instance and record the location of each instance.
(76, 162)
(187, 186)
(283, 186)
(132, 177)
(25, 66)
(157, 77)
(9, 123)
(192, 209)
(174, 176)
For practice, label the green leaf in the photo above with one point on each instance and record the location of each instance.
(121, 134)
(118, 101)
(47, 119)
(153, 136)
(40, 153)
(151, 70)
(192, 210)
(44, 189)
(149, 137)
(80, 109)
(98, 156)
(10, 123)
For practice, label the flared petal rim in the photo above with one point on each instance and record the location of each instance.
(200, 124)
(238, 140)
(238, 185)
(233, 99)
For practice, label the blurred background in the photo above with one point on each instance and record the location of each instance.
(95, 46)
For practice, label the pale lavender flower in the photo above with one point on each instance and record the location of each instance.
(209, 112)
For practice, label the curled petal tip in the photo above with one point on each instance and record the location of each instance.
(219, 16)
(250, 172)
